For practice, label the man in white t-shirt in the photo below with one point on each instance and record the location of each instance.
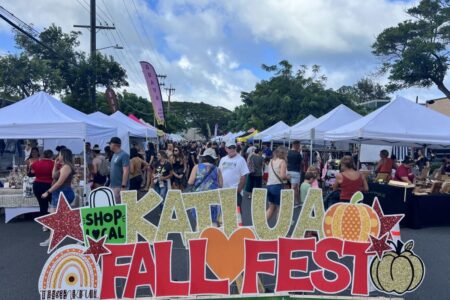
(234, 170)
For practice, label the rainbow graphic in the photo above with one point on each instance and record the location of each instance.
(69, 274)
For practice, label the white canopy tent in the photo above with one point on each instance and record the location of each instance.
(41, 116)
(268, 132)
(231, 136)
(135, 129)
(315, 130)
(285, 133)
(400, 122)
(123, 132)
(175, 137)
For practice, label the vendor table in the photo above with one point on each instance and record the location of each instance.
(15, 204)
(392, 199)
(424, 211)
(420, 211)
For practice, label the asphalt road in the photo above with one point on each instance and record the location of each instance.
(21, 258)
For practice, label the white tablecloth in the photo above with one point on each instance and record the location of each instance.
(15, 198)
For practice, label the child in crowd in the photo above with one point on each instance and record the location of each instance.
(316, 173)
(305, 186)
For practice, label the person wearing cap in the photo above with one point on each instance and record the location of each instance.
(120, 168)
(206, 176)
(234, 170)
(404, 171)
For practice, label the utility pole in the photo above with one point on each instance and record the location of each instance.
(162, 77)
(170, 90)
(93, 28)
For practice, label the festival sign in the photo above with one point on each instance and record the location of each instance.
(109, 221)
(219, 257)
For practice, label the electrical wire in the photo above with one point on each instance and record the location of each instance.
(149, 37)
(124, 57)
(81, 4)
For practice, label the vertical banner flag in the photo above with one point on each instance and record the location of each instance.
(154, 90)
(111, 98)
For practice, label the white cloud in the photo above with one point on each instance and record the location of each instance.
(184, 63)
(211, 50)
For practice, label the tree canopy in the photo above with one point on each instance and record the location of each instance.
(364, 90)
(289, 96)
(63, 70)
(415, 52)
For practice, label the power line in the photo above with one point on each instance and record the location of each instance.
(93, 30)
(104, 13)
(131, 74)
(108, 11)
(25, 29)
(149, 38)
(81, 4)
(132, 22)
(120, 35)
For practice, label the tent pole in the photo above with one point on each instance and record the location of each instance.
(312, 135)
(84, 171)
(359, 158)
(271, 145)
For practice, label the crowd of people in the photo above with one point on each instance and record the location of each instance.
(195, 166)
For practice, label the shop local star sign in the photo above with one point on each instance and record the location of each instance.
(233, 254)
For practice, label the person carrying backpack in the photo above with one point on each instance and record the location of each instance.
(100, 168)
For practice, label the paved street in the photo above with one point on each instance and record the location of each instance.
(22, 259)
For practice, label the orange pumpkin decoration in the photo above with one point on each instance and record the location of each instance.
(351, 221)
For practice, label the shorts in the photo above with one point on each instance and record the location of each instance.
(274, 193)
(68, 193)
(99, 179)
(295, 177)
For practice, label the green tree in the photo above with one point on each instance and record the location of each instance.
(289, 96)
(199, 115)
(65, 70)
(365, 90)
(415, 52)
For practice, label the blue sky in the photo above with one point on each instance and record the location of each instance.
(213, 50)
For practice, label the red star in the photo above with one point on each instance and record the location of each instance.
(387, 222)
(65, 222)
(379, 246)
(97, 247)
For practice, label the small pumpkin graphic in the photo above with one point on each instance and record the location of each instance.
(351, 221)
(398, 271)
